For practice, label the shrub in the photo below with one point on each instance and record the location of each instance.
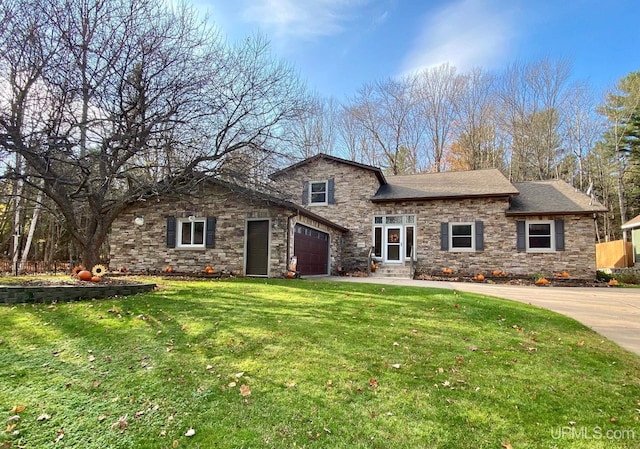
(628, 277)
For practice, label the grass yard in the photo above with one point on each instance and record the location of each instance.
(310, 364)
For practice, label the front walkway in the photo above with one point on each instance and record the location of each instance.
(612, 312)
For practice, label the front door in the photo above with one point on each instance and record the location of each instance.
(393, 244)
(257, 249)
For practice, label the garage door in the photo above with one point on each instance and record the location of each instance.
(312, 249)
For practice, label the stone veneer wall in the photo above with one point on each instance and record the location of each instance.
(354, 188)
(144, 248)
(500, 251)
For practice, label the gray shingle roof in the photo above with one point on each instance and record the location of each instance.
(459, 184)
(550, 198)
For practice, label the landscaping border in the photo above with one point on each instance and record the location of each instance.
(16, 294)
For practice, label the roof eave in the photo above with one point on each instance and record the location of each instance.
(511, 213)
(443, 197)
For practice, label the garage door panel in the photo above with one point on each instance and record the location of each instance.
(312, 249)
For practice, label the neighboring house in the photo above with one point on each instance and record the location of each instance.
(336, 214)
(633, 226)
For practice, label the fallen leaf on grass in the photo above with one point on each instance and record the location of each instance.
(373, 383)
(18, 408)
(10, 428)
(190, 433)
(92, 358)
(60, 436)
(13, 418)
(120, 424)
(507, 446)
(396, 365)
(43, 417)
(245, 391)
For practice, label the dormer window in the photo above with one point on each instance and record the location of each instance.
(318, 192)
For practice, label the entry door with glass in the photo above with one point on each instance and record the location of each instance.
(393, 244)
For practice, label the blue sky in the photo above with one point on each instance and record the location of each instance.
(339, 45)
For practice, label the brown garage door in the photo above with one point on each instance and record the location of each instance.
(312, 249)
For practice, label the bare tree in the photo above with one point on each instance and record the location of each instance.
(385, 111)
(113, 102)
(438, 91)
(478, 144)
(582, 127)
(532, 101)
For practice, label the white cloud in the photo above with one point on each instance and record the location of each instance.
(301, 19)
(466, 34)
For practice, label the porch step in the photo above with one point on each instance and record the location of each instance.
(392, 271)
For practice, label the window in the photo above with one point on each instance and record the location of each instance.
(191, 232)
(461, 235)
(318, 192)
(540, 236)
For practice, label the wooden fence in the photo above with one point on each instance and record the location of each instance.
(614, 254)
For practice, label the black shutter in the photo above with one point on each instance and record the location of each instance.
(305, 192)
(559, 231)
(210, 239)
(171, 232)
(444, 236)
(521, 235)
(331, 187)
(479, 235)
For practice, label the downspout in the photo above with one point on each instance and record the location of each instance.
(289, 237)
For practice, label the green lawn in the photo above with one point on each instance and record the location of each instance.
(304, 363)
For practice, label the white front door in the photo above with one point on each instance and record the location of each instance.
(393, 244)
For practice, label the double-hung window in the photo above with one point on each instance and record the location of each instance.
(191, 232)
(461, 237)
(318, 192)
(540, 236)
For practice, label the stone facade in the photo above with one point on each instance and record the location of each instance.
(144, 248)
(353, 208)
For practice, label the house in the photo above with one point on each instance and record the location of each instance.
(633, 226)
(337, 213)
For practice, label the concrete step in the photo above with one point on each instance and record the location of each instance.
(393, 271)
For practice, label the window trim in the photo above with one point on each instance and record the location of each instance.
(469, 249)
(326, 193)
(179, 223)
(552, 236)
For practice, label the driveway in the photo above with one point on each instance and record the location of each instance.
(612, 312)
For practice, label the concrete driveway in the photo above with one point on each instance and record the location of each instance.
(612, 312)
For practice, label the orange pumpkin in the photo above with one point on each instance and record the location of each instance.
(447, 271)
(542, 281)
(479, 277)
(496, 272)
(168, 269)
(208, 269)
(613, 282)
(95, 278)
(565, 274)
(84, 275)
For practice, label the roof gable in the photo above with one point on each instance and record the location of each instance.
(376, 171)
(553, 197)
(457, 184)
